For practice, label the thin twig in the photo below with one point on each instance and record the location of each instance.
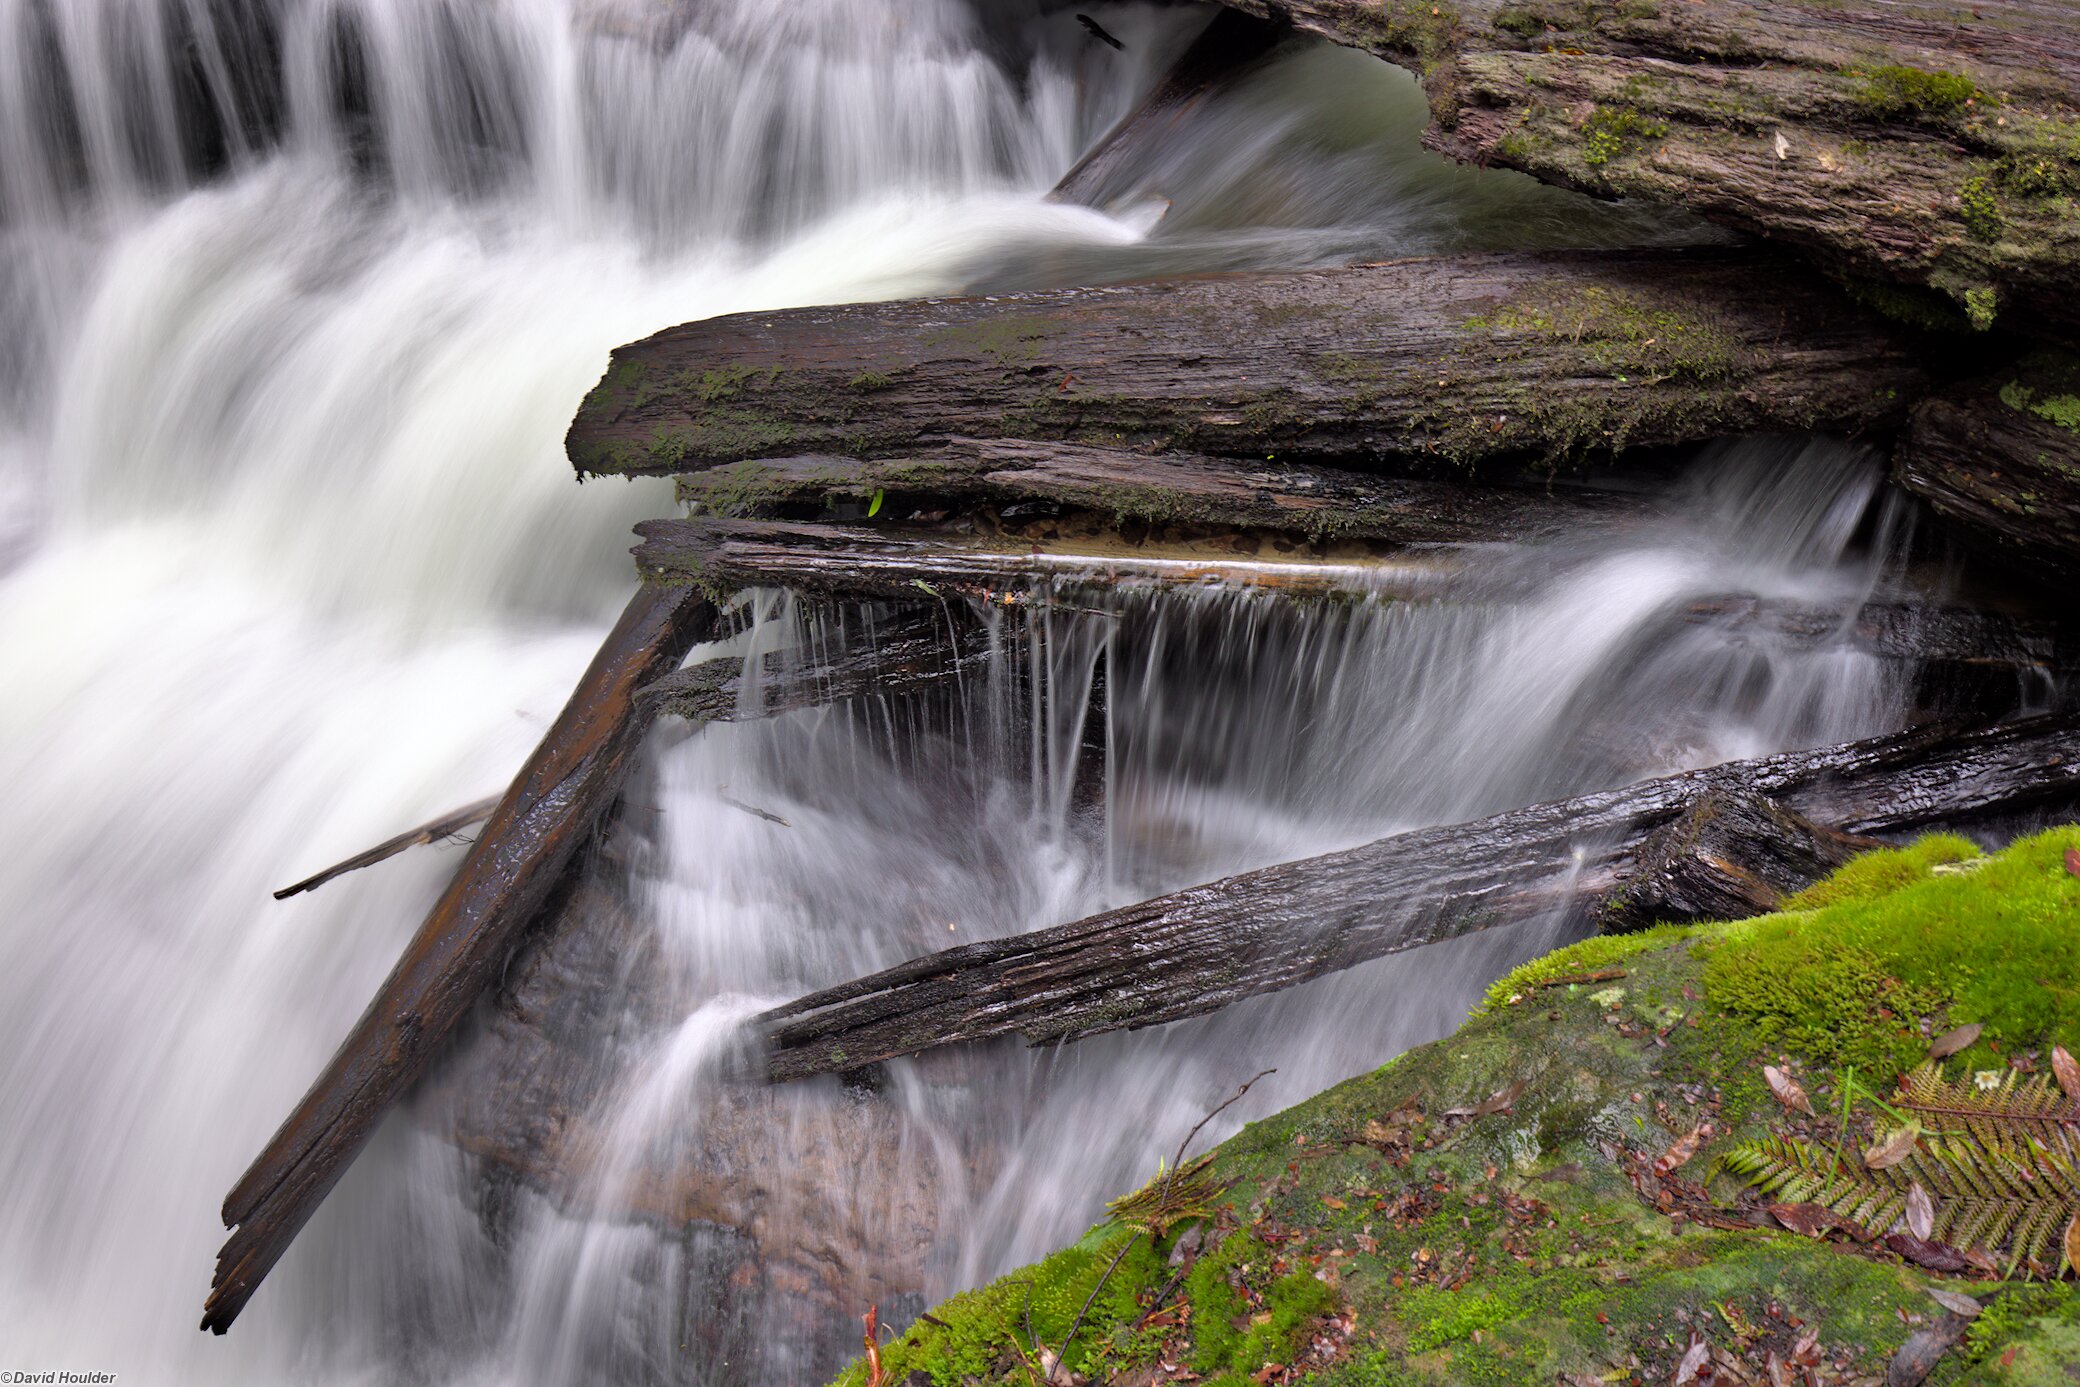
(1169, 1182)
(448, 825)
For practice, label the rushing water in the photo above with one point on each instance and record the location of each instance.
(298, 296)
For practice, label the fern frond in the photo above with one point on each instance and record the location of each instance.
(2011, 1192)
(2008, 1111)
(1171, 1198)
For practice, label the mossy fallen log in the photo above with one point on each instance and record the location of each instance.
(1200, 949)
(1543, 1196)
(1452, 361)
(1920, 146)
(510, 872)
(2002, 456)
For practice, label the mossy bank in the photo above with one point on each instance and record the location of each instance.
(1544, 1195)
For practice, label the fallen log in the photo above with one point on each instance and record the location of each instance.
(2002, 456)
(1455, 361)
(507, 876)
(1902, 145)
(1197, 950)
(1176, 490)
(1227, 49)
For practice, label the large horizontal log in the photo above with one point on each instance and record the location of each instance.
(1184, 490)
(509, 873)
(1920, 144)
(1454, 360)
(1197, 950)
(2003, 457)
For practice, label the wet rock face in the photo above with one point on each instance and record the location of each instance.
(788, 1210)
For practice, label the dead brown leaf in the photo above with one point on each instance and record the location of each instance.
(1921, 1212)
(2073, 1244)
(1682, 1149)
(2073, 861)
(1935, 1256)
(1694, 1358)
(1813, 1220)
(1787, 1089)
(875, 1377)
(1954, 1040)
(1894, 1149)
(1956, 1302)
(2067, 1070)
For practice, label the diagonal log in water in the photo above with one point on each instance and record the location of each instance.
(549, 811)
(1459, 359)
(1203, 948)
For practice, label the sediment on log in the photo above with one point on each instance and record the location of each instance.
(1226, 50)
(2002, 456)
(1197, 950)
(504, 881)
(1453, 360)
(1907, 145)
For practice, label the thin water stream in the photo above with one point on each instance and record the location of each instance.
(299, 296)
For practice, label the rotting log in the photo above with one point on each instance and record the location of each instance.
(1179, 490)
(1731, 854)
(1227, 49)
(2002, 456)
(509, 873)
(1454, 360)
(1904, 144)
(1200, 949)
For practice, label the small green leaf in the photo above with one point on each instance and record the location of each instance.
(874, 506)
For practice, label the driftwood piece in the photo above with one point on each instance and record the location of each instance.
(1227, 49)
(1455, 360)
(1729, 855)
(1180, 490)
(1197, 950)
(2002, 456)
(1899, 142)
(509, 873)
(432, 831)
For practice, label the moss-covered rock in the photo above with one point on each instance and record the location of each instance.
(1541, 1196)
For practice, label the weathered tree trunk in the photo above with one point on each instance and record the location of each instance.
(1177, 490)
(1454, 360)
(1199, 949)
(2002, 456)
(550, 810)
(1227, 49)
(1912, 144)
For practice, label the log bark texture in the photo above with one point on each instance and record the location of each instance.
(1455, 360)
(510, 872)
(1905, 142)
(1185, 490)
(1197, 950)
(2002, 456)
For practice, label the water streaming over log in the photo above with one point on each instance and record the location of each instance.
(299, 296)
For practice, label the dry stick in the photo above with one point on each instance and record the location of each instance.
(1169, 1183)
(432, 831)
(507, 877)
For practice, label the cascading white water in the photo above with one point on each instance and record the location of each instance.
(299, 296)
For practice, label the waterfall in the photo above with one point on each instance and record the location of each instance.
(300, 296)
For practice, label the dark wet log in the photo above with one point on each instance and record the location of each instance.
(1730, 855)
(900, 562)
(1454, 360)
(1173, 489)
(1197, 950)
(2003, 458)
(908, 651)
(1906, 630)
(432, 831)
(1901, 143)
(509, 873)
(1226, 50)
